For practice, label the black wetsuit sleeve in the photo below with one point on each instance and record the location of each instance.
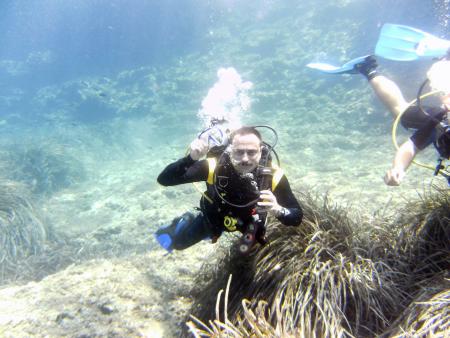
(287, 200)
(185, 170)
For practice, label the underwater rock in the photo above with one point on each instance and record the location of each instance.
(99, 298)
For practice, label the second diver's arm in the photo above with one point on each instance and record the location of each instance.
(405, 154)
(403, 158)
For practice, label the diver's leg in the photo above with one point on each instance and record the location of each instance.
(389, 94)
(386, 90)
(184, 232)
(191, 233)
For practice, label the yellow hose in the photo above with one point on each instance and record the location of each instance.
(395, 128)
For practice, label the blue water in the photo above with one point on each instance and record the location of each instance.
(95, 82)
(49, 42)
(94, 37)
(98, 96)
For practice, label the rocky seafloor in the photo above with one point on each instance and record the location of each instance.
(88, 151)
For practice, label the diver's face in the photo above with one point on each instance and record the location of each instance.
(245, 153)
(439, 77)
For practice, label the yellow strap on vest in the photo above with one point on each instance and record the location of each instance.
(277, 175)
(211, 167)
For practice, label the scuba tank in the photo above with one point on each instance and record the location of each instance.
(442, 144)
(443, 140)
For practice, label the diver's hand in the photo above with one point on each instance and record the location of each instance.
(269, 203)
(394, 176)
(199, 148)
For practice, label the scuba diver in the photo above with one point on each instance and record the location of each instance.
(243, 187)
(430, 124)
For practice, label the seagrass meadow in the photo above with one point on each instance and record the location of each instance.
(98, 97)
(335, 277)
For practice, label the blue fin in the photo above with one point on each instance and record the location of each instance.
(166, 235)
(404, 43)
(165, 241)
(346, 68)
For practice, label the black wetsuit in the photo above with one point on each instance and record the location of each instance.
(425, 127)
(238, 189)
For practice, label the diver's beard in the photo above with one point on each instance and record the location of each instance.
(242, 168)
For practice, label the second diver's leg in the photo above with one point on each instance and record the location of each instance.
(389, 94)
(386, 90)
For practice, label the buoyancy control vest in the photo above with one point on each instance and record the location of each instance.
(236, 205)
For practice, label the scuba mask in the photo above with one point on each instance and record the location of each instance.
(217, 134)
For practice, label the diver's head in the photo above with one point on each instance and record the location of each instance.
(439, 76)
(245, 149)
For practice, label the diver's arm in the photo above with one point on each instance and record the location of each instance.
(199, 148)
(291, 212)
(188, 169)
(185, 170)
(403, 158)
